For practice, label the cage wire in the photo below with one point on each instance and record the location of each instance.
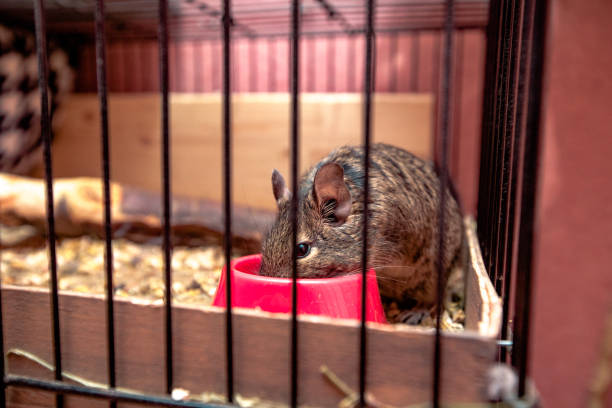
(510, 126)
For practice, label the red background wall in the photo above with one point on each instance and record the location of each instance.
(573, 276)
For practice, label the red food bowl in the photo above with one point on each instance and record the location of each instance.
(334, 297)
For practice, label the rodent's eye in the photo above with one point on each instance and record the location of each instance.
(303, 249)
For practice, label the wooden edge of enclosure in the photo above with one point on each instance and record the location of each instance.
(399, 357)
(483, 305)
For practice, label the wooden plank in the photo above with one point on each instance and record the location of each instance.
(261, 137)
(483, 311)
(399, 357)
(136, 214)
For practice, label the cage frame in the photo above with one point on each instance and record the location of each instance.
(507, 23)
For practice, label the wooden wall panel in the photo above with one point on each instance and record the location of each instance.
(261, 137)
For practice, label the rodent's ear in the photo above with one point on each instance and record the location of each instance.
(332, 195)
(279, 187)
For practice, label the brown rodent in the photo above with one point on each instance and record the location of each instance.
(403, 222)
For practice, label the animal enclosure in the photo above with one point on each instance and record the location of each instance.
(243, 90)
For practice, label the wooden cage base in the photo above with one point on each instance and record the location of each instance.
(399, 358)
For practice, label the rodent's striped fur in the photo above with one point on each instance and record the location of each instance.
(403, 224)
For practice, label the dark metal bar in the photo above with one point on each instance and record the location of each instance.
(207, 10)
(167, 244)
(41, 49)
(2, 368)
(498, 98)
(518, 131)
(227, 192)
(511, 136)
(368, 88)
(270, 24)
(207, 33)
(490, 140)
(334, 14)
(442, 168)
(140, 14)
(102, 393)
(484, 184)
(502, 158)
(414, 62)
(525, 261)
(108, 233)
(504, 43)
(135, 8)
(295, 137)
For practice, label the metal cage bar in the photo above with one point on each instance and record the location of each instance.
(294, 66)
(43, 83)
(108, 261)
(508, 153)
(335, 14)
(2, 366)
(368, 87)
(102, 393)
(442, 168)
(505, 96)
(488, 107)
(506, 89)
(526, 22)
(227, 193)
(166, 202)
(525, 259)
(496, 147)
